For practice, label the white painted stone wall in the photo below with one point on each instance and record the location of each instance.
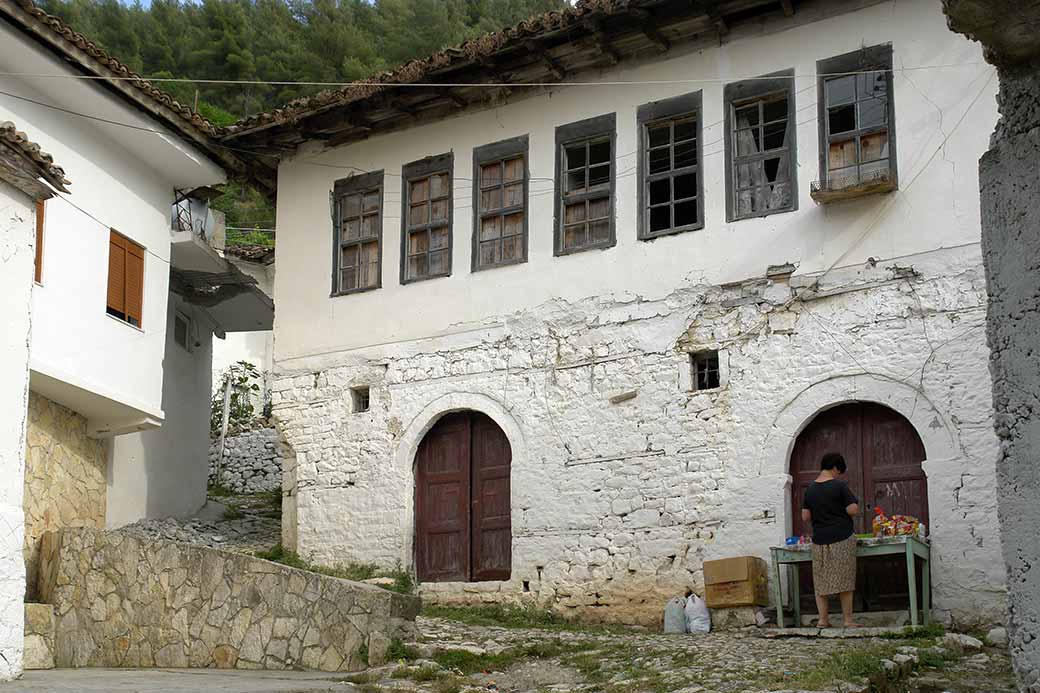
(252, 463)
(17, 239)
(616, 506)
(162, 472)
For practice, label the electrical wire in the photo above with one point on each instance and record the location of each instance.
(489, 85)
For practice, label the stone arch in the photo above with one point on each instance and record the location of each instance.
(420, 425)
(939, 441)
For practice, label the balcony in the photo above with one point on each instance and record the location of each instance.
(837, 189)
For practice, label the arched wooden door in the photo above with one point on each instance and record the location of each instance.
(884, 454)
(462, 502)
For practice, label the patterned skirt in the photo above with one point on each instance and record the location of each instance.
(834, 567)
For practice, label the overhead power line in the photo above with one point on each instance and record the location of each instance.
(489, 85)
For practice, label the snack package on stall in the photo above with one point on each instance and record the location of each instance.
(894, 525)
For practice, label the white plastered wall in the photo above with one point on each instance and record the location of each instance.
(163, 472)
(16, 281)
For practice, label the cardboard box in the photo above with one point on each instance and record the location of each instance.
(741, 581)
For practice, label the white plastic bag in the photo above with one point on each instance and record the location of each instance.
(674, 616)
(698, 620)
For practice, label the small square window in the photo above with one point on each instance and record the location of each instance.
(360, 397)
(705, 370)
(182, 331)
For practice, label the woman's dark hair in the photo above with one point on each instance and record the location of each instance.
(833, 460)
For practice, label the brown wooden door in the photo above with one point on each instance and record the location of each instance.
(884, 454)
(463, 527)
(442, 501)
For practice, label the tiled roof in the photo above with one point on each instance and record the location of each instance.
(73, 41)
(31, 152)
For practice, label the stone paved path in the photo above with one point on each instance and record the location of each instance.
(454, 658)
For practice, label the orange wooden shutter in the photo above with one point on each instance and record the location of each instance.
(116, 273)
(39, 241)
(134, 283)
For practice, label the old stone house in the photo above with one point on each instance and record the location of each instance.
(124, 296)
(598, 291)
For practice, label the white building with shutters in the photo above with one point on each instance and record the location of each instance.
(704, 248)
(126, 297)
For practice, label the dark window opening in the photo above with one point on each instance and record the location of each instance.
(182, 331)
(360, 397)
(705, 366)
(669, 163)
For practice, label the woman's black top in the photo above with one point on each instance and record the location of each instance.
(827, 500)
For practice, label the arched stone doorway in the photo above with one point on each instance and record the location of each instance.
(463, 529)
(884, 454)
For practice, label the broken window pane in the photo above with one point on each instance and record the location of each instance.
(775, 135)
(745, 116)
(872, 84)
(842, 119)
(775, 109)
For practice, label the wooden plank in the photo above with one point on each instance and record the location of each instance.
(648, 25)
(788, 7)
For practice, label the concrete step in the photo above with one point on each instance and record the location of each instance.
(39, 637)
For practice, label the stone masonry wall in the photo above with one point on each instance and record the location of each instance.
(618, 499)
(120, 601)
(251, 462)
(1010, 179)
(65, 478)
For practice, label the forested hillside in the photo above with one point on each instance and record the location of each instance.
(277, 40)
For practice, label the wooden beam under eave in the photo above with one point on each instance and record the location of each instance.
(602, 41)
(538, 49)
(788, 6)
(649, 28)
(711, 8)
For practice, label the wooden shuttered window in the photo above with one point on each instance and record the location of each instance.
(125, 279)
(38, 275)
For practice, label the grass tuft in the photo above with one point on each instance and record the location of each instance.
(402, 581)
(514, 616)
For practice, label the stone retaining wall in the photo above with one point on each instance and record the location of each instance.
(120, 601)
(251, 462)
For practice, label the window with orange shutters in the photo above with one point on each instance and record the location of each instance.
(38, 276)
(125, 279)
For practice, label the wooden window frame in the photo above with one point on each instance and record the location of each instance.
(345, 187)
(656, 113)
(873, 58)
(133, 248)
(482, 156)
(589, 130)
(188, 345)
(744, 93)
(41, 216)
(424, 168)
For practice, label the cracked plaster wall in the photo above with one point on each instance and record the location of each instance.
(17, 240)
(65, 478)
(616, 506)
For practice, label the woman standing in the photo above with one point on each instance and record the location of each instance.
(829, 507)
